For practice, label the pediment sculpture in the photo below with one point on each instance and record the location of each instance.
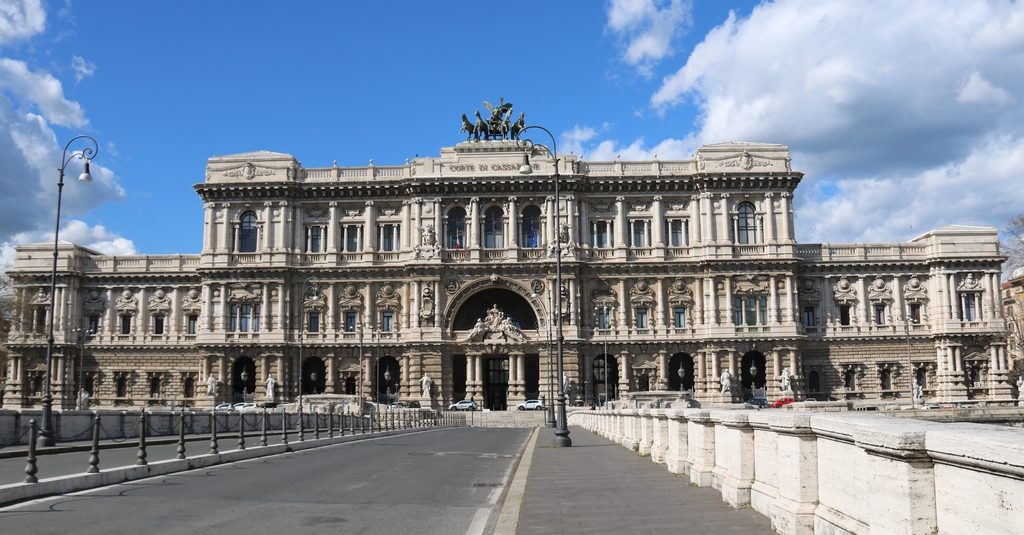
(750, 284)
(127, 303)
(241, 292)
(192, 303)
(679, 294)
(314, 298)
(42, 297)
(808, 291)
(93, 305)
(915, 291)
(970, 284)
(879, 291)
(159, 303)
(388, 298)
(844, 292)
(495, 324)
(350, 298)
(641, 294)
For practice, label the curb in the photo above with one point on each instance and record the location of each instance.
(508, 519)
(18, 492)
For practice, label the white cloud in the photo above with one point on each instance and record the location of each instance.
(20, 19)
(892, 109)
(647, 28)
(42, 90)
(82, 68)
(977, 90)
(30, 154)
(97, 238)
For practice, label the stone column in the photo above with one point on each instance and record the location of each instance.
(473, 227)
(863, 310)
(658, 224)
(773, 301)
(769, 218)
(662, 383)
(696, 221)
(570, 216)
(406, 232)
(513, 224)
(333, 231)
(225, 229)
(370, 228)
(787, 218)
(730, 311)
(951, 289)
(621, 227)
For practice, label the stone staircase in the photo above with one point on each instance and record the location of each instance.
(511, 418)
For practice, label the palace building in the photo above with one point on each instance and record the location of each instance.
(676, 276)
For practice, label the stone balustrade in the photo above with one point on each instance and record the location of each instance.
(836, 473)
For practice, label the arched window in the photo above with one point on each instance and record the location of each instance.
(247, 233)
(529, 228)
(494, 234)
(885, 378)
(456, 231)
(190, 387)
(746, 226)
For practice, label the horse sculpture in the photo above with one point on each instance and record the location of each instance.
(467, 127)
(481, 128)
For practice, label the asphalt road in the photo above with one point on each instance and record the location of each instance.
(447, 481)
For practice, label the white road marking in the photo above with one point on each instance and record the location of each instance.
(476, 527)
(495, 494)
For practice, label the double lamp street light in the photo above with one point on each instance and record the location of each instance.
(46, 431)
(562, 439)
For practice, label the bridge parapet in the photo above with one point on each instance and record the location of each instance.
(836, 472)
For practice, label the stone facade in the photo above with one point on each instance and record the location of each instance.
(372, 277)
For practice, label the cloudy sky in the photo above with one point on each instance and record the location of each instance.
(904, 115)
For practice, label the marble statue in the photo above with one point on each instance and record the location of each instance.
(425, 383)
(787, 380)
(83, 400)
(1020, 388)
(271, 386)
(211, 386)
(726, 382)
(918, 392)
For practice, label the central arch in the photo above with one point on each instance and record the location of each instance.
(512, 304)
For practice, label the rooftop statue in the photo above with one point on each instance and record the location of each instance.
(498, 126)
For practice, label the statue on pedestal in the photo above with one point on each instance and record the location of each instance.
(271, 386)
(425, 384)
(787, 380)
(211, 386)
(726, 382)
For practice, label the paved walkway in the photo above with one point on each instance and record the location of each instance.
(598, 486)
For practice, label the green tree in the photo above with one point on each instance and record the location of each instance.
(1013, 243)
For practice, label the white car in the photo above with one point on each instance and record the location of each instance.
(464, 405)
(224, 407)
(245, 406)
(531, 405)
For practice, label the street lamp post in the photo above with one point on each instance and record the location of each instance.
(359, 328)
(302, 328)
(910, 364)
(550, 420)
(81, 334)
(562, 439)
(87, 154)
(605, 325)
(245, 379)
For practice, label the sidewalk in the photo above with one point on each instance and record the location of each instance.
(597, 486)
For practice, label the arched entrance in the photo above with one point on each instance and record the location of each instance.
(243, 379)
(753, 375)
(350, 386)
(645, 373)
(509, 303)
(680, 363)
(605, 391)
(314, 376)
(389, 380)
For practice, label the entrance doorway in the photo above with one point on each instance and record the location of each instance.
(243, 379)
(680, 373)
(314, 376)
(389, 380)
(496, 384)
(752, 373)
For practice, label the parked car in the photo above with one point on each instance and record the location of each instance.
(224, 407)
(246, 406)
(782, 402)
(759, 402)
(531, 405)
(464, 405)
(408, 404)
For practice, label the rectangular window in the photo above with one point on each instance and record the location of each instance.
(314, 239)
(126, 324)
(158, 324)
(350, 322)
(94, 324)
(387, 321)
(677, 233)
(255, 318)
(233, 324)
(750, 310)
(603, 319)
(387, 238)
(915, 313)
(193, 323)
(639, 234)
(641, 318)
(40, 318)
(809, 316)
(844, 314)
(314, 322)
(601, 234)
(679, 317)
(880, 314)
(352, 244)
(967, 307)
(243, 319)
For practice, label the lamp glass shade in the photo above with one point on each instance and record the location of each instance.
(85, 176)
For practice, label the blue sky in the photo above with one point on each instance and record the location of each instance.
(905, 116)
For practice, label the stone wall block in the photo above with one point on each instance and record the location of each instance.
(734, 456)
(700, 457)
(675, 458)
(903, 494)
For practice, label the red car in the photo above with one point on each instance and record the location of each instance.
(781, 402)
